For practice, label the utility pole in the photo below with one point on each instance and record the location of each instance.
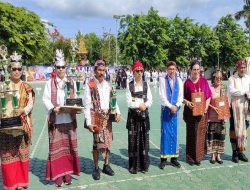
(117, 17)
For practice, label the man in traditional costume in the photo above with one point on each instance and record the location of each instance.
(239, 85)
(139, 99)
(97, 97)
(15, 143)
(171, 94)
(63, 156)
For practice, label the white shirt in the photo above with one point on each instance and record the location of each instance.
(61, 96)
(104, 90)
(135, 102)
(154, 74)
(244, 85)
(163, 92)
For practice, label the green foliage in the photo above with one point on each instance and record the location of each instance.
(180, 33)
(234, 43)
(22, 31)
(108, 52)
(244, 13)
(94, 45)
(145, 38)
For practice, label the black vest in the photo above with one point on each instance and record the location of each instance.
(140, 94)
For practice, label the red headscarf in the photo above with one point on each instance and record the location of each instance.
(137, 65)
(240, 63)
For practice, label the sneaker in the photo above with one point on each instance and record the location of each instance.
(59, 182)
(96, 174)
(107, 170)
(235, 157)
(242, 157)
(162, 164)
(67, 180)
(175, 163)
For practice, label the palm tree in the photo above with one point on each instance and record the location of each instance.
(244, 13)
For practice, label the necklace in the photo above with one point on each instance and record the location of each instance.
(217, 90)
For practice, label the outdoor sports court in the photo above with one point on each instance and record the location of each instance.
(205, 177)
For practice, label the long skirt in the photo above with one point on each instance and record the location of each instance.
(232, 134)
(14, 152)
(138, 142)
(104, 138)
(216, 137)
(195, 136)
(63, 156)
(169, 137)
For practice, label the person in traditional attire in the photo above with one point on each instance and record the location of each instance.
(171, 95)
(195, 125)
(97, 103)
(216, 129)
(63, 157)
(139, 99)
(15, 143)
(239, 94)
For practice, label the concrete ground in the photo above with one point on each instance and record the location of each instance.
(228, 176)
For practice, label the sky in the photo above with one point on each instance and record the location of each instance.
(71, 16)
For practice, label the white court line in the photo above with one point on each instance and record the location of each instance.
(154, 144)
(39, 138)
(151, 176)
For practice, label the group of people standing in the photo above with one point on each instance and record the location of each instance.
(202, 131)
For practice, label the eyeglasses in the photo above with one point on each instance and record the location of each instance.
(16, 69)
(139, 71)
(218, 78)
(60, 67)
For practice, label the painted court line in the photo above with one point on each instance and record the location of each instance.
(152, 176)
(39, 138)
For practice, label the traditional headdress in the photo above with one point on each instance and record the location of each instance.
(217, 74)
(100, 62)
(15, 60)
(240, 63)
(59, 59)
(137, 65)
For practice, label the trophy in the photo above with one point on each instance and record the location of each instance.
(112, 115)
(8, 94)
(72, 75)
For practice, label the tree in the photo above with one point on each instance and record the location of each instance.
(94, 45)
(108, 48)
(22, 31)
(180, 33)
(144, 38)
(234, 42)
(204, 45)
(244, 13)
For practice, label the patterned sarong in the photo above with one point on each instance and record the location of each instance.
(63, 156)
(216, 137)
(238, 130)
(195, 136)
(14, 150)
